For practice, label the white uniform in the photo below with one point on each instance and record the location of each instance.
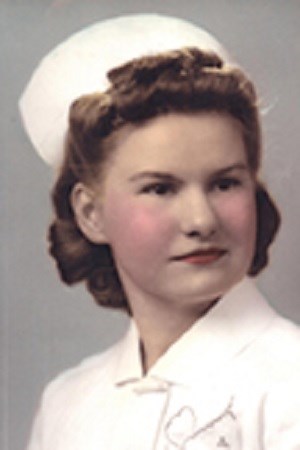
(230, 382)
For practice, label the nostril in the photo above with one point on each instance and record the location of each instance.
(194, 234)
(200, 234)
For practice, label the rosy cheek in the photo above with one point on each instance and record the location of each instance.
(131, 225)
(238, 216)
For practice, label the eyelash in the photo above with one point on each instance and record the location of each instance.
(164, 188)
(225, 184)
(160, 189)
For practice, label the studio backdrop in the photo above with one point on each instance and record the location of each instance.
(47, 327)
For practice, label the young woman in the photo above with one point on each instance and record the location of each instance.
(160, 211)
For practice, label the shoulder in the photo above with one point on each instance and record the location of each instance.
(274, 355)
(271, 354)
(94, 375)
(286, 329)
(76, 402)
(281, 412)
(281, 341)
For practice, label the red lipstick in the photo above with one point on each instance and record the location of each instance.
(201, 256)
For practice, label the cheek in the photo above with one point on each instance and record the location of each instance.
(135, 229)
(238, 215)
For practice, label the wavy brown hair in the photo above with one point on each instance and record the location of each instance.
(187, 80)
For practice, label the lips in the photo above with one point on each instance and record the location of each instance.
(207, 256)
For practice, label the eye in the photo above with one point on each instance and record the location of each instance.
(159, 188)
(227, 183)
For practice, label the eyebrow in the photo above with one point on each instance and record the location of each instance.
(168, 177)
(152, 174)
(237, 166)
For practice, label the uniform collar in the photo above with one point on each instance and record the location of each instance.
(224, 332)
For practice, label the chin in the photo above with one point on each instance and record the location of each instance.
(208, 286)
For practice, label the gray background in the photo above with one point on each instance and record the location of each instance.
(46, 327)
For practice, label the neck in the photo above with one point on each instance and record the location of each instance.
(161, 324)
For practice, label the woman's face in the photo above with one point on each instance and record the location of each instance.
(178, 208)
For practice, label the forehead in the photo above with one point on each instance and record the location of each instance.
(178, 141)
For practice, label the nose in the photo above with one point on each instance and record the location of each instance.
(197, 215)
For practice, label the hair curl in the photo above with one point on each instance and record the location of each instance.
(187, 80)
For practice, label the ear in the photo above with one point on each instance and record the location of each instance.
(88, 211)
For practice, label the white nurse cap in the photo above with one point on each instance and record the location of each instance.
(79, 66)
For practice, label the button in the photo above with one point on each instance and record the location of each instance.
(150, 384)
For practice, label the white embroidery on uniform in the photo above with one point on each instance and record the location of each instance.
(181, 426)
(220, 433)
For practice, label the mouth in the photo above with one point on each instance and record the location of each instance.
(199, 257)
